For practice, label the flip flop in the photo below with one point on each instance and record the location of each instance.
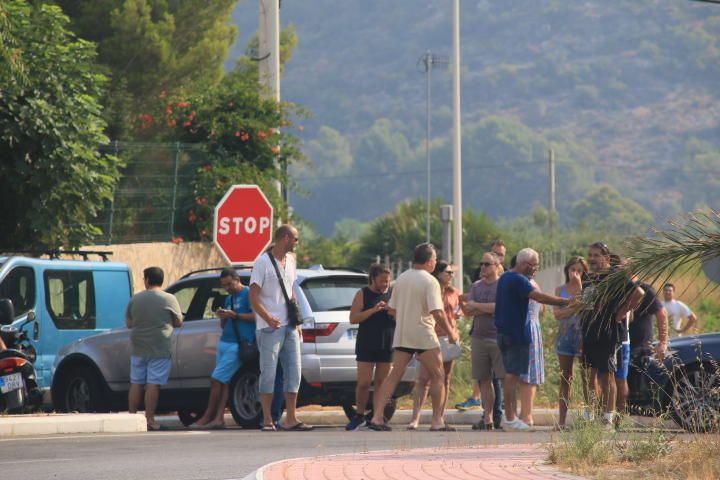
(378, 428)
(411, 427)
(158, 428)
(298, 427)
(444, 428)
(268, 428)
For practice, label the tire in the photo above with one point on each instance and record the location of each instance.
(695, 401)
(80, 390)
(188, 416)
(245, 400)
(350, 411)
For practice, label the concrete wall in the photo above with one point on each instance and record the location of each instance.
(175, 259)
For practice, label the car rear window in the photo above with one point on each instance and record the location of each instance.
(332, 293)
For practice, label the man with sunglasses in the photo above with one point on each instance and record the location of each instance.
(603, 325)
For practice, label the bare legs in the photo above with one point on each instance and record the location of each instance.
(215, 411)
(488, 399)
(566, 376)
(365, 379)
(152, 394)
(422, 387)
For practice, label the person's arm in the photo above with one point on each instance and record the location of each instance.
(2, 345)
(541, 297)
(662, 327)
(631, 304)
(357, 314)
(477, 308)
(260, 309)
(128, 317)
(691, 320)
(177, 321)
(443, 323)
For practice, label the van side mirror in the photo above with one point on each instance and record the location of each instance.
(7, 311)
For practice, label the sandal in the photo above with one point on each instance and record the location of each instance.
(378, 427)
(298, 427)
(444, 428)
(156, 428)
(268, 428)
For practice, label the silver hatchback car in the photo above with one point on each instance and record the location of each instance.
(93, 374)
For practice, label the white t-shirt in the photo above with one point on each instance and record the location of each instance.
(677, 311)
(416, 293)
(271, 295)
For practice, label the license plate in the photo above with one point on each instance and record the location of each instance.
(12, 382)
(352, 333)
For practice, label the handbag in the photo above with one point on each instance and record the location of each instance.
(450, 351)
(293, 309)
(247, 349)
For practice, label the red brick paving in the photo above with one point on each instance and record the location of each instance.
(507, 462)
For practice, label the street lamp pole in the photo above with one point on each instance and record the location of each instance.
(457, 163)
(429, 60)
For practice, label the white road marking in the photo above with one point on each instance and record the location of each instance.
(105, 435)
(43, 460)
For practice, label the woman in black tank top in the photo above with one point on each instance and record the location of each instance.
(373, 346)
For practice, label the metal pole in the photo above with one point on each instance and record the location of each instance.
(457, 163)
(112, 203)
(175, 186)
(446, 218)
(551, 191)
(428, 67)
(269, 43)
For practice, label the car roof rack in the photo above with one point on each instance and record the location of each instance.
(55, 254)
(215, 269)
(321, 267)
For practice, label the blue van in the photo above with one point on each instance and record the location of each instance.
(59, 301)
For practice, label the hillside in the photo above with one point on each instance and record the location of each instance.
(626, 91)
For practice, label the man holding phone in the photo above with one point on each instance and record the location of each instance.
(236, 320)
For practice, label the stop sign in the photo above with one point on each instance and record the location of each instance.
(243, 224)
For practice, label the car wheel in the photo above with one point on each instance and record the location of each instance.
(245, 400)
(188, 416)
(80, 391)
(695, 402)
(351, 411)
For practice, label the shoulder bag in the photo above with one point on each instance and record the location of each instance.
(248, 349)
(293, 309)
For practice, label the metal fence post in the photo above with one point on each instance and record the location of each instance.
(174, 195)
(116, 152)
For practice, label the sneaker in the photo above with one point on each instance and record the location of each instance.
(469, 404)
(516, 425)
(588, 414)
(608, 421)
(357, 422)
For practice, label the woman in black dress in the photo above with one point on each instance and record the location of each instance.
(373, 346)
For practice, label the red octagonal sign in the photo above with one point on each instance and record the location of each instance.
(243, 224)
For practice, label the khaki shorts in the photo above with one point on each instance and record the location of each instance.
(486, 359)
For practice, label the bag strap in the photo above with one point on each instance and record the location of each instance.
(235, 329)
(279, 277)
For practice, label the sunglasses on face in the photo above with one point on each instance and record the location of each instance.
(486, 264)
(449, 272)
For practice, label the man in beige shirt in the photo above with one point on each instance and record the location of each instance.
(418, 304)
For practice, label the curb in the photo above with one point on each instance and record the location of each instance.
(54, 424)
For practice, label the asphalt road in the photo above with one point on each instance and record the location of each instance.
(217, 455)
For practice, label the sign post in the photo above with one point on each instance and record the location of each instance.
(243, 224)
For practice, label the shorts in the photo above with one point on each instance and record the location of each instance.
(374, 356)
(569, 341)
(227, 361)
(623, 362)
(153, 371)
(411, 351)
(281, 345)
(515, 356)
(487, 361)
(602, 357)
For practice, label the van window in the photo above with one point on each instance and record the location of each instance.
(19, 287)
(71, 299)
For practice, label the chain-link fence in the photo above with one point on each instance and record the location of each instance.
(154, 194)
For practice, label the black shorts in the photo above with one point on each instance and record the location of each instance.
(601, 357)
(411, 351)
(515, 356)
(374, 355)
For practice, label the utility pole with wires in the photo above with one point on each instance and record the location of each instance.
(428, 60)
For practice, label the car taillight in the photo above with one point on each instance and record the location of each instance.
(320, 330)
(9, 364)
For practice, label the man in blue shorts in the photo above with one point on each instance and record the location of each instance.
(236, 320)
(151, 315)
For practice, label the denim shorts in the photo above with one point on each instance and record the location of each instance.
(279, 345)
(153, 371)
(227, 361)
(623, 362)
(516, 356)
(569, 341)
